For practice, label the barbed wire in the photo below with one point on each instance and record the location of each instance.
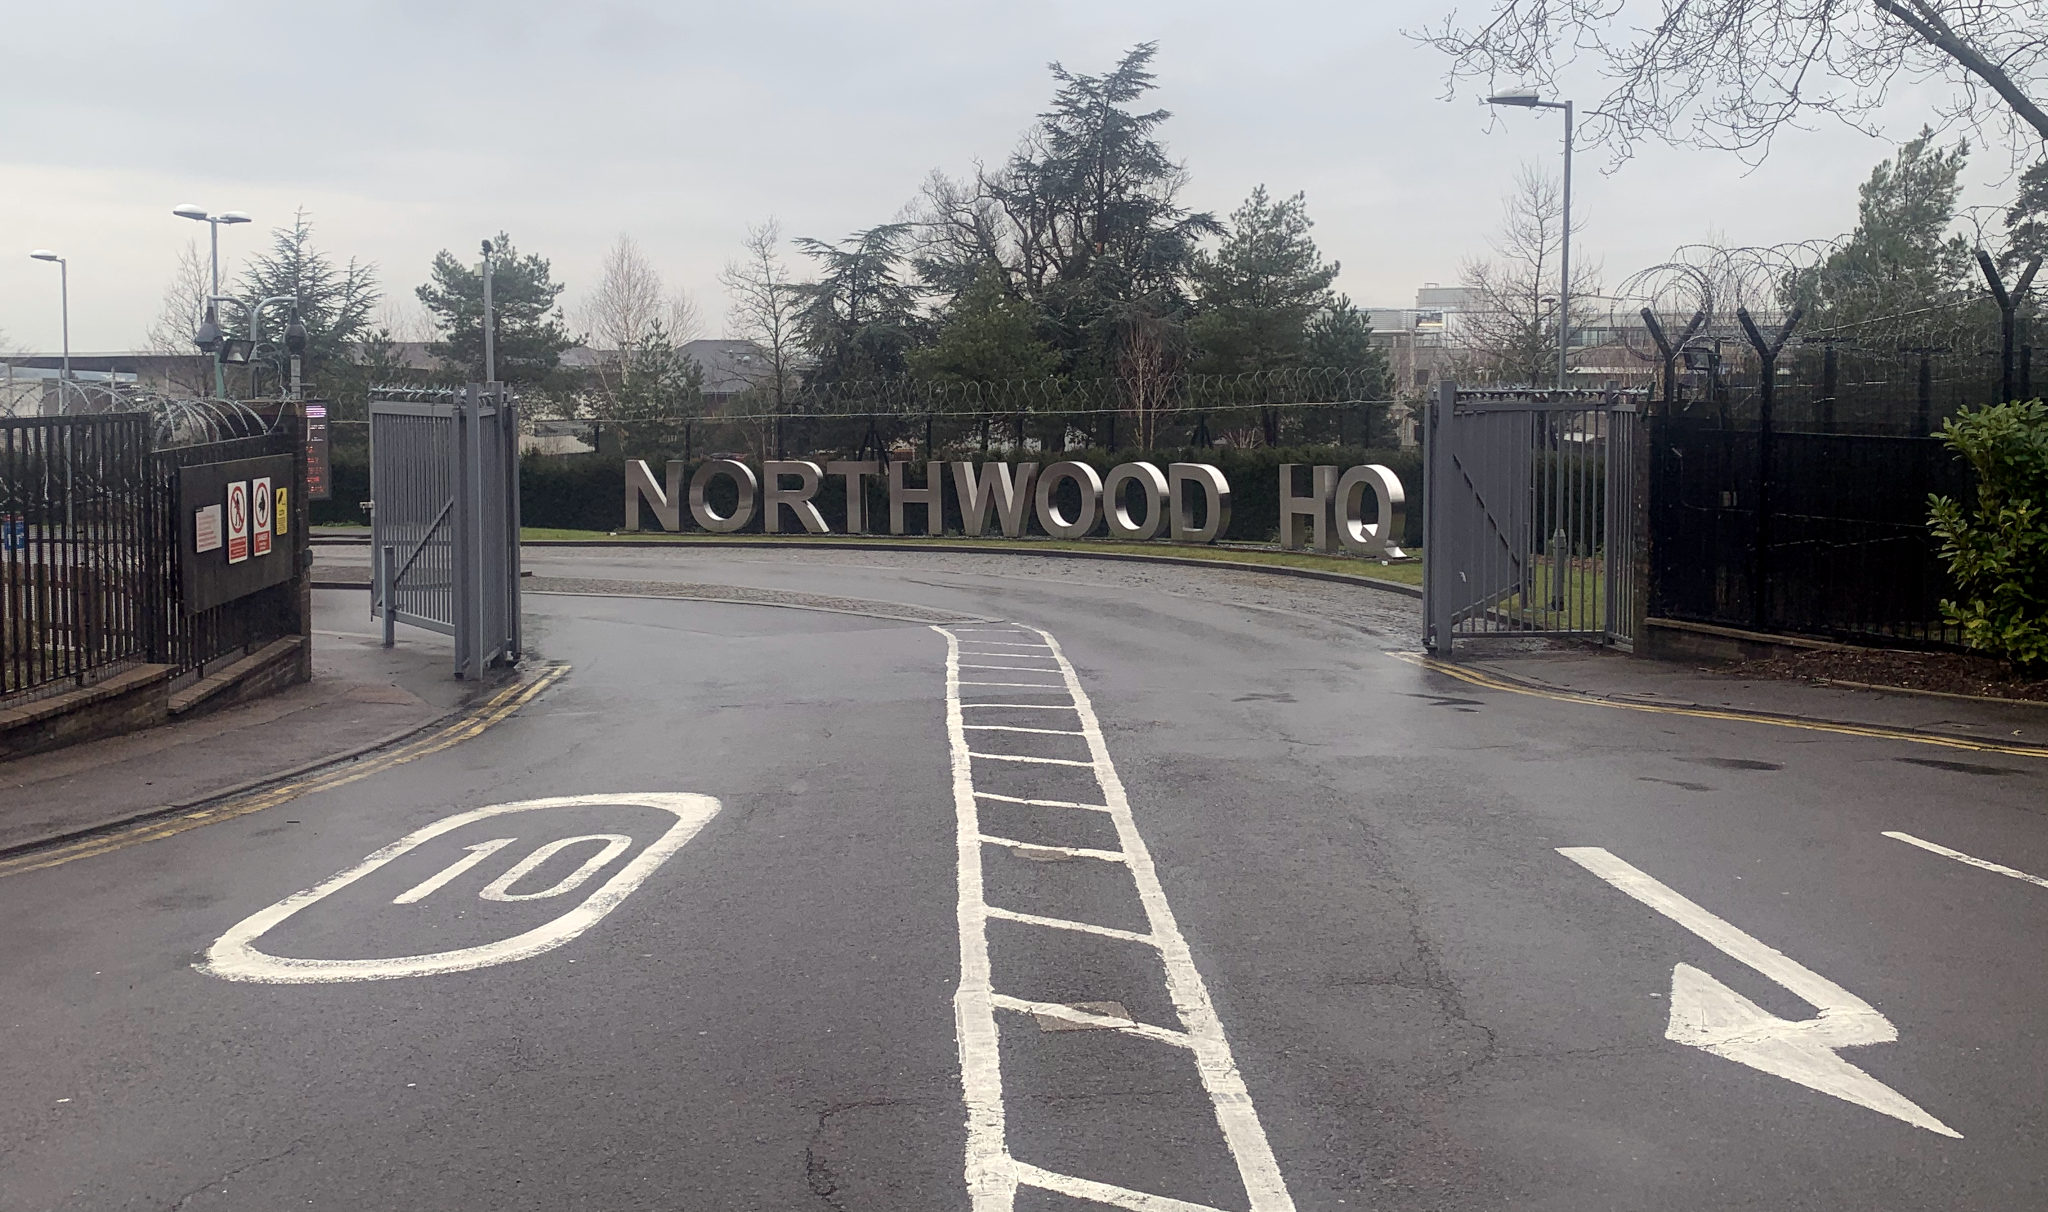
(177, 420)
(1846, 305)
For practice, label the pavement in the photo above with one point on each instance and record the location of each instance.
(361, 694)
(922, 881)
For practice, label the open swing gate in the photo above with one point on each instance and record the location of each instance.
(444, 528)
(1532, 519)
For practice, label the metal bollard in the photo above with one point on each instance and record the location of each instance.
(387, 558)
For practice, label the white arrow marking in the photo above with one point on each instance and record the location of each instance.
(1960, 857)
(1707, 1014)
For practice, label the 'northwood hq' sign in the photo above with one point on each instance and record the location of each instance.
(1137, 501)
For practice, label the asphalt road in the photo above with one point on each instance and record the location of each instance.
(1332, 944)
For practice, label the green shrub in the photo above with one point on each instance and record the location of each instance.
(1998, 552)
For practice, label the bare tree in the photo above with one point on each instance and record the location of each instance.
(178, 318)
(685, 323)
(766, 301)
(184, 303)
(626, 300)
(1510, 330)
(1731, 73)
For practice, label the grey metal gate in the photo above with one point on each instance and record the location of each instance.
(1532, 516)
(444, 525)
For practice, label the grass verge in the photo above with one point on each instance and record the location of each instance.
(1405, 573)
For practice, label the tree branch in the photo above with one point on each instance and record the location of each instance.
(1937, 33)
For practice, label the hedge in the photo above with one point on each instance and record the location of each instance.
(586, 492)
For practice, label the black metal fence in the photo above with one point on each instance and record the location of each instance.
(89, 577)
(1789, 478)
(75, 540)
(1837, 546)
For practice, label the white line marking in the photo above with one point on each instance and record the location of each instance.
(1107, 856)
(1035, 761)
(234, 957)
(1087, 1018)
(1707, 1014)
(998, 644)
(1102, 1193)
(440, 879)
(1022, 706)
(1014, 728)
(1011, 668)
(500, 889)
(1063, 923)
(1960, 857)
(1018, 799)
(1024, 685)
(993, 1176)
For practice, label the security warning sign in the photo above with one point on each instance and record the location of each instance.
(206, 529)
(233, 548)
(238, 521)
(259, 516)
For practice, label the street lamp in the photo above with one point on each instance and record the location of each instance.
(1527, 98)
(199, 214)
(64, 304)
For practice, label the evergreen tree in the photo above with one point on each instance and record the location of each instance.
(530, 331)
(1338, 337)
(1901, 257)
(1084, 218)
(987, 336)
(1255, 295)
(2026, 223)
(334, 302)
(857, 319)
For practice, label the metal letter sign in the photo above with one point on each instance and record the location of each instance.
(259, 521)
(238, 521)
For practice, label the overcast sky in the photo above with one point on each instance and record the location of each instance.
(408, 127)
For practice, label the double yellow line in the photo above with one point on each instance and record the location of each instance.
(1874, 731)
(472, 723)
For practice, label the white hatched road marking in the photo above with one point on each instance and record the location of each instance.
(1062, 923)
(1088, 1018)
(1020, 685)
(993, 1175)
(1107, 856)
(1035, 761)
(1018, 799)
(1014, 728)
(1960, 857)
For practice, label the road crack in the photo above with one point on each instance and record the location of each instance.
(186, 1199)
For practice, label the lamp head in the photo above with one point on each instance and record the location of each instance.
(234, 216)
(44, 254)
(1525, 97)
(295, 334)
(208, 336)
(189, 211)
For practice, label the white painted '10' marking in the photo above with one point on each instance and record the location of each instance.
(235, 957)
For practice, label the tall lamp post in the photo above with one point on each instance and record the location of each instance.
(212, 325)
(64, 305)
(1528, 98)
